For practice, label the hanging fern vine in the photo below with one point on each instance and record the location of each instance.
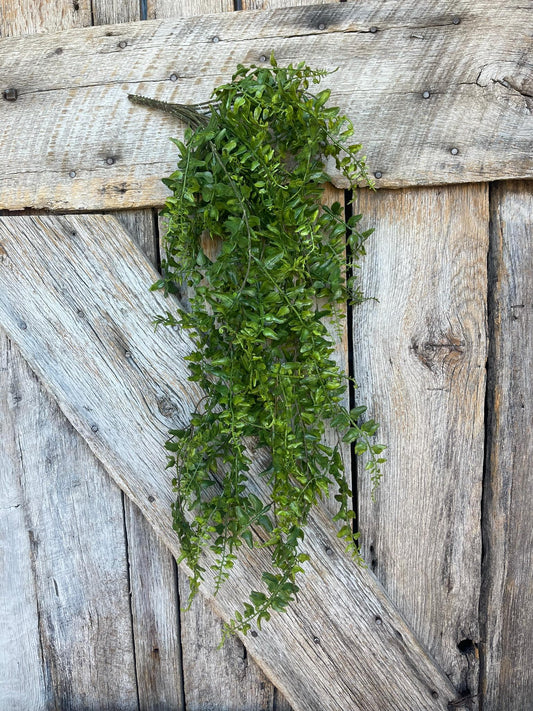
(250, 176)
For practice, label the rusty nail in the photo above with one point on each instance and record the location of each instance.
(94, 428)
(72, 174)
(10, 94)
(456, 20)
(215, 39)
(373, 30)
(173, 77)
(122, 44)
(322, 26)
(454, 151)
(110, 160)
(378, 174)
(426, 94)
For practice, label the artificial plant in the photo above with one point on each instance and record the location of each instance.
(251, 175)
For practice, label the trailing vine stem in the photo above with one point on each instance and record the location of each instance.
(250, 176)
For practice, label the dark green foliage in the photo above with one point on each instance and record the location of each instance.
(250, 176)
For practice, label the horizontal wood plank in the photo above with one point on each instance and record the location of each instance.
(122, 385)
(437, 96)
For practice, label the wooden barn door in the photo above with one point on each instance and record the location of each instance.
(90, 594)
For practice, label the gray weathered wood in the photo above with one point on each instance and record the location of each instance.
(94, 348)
(475, 75)
(22, 674)
(507, 608)
(67, 640)
(26, 17)
(158, 9)
(153, 576)
(66, 546)
(419, 359)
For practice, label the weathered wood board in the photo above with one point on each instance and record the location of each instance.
(437, 96)
(507, 601)
(420, 350)
(94, 348)
(64, 592)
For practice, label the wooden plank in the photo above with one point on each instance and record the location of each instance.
(26, 17)
(95, 348)
(419, 358)
(72, 606)
(157, 9)
(153, 577)
(92, 149)
(22, 674)
(507, 606)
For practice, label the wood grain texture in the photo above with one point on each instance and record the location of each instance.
(95, 348)
(475, 75)
(507, 607)
(22, 673)
(419, 359)
(69, 513)
(26, 17)
(153, 575)
(158, 9)
(67, 638)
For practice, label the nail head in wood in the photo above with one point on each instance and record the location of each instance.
(262, 58)
(322, 26)
(426, 94)
(127, 354)
(454, 151)
(378, 174)
(215, 39)
(23, 325)
(10, 94)
(122, 44)
(72, 174)
(151, 499)
(94, 428)
(110, 160)
(435, 694)
(316, 640)
(373, 30)
(456, 20)
(173, 77)
(378, 620)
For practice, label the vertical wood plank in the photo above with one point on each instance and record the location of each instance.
(274, 4)
(153, 575)
(186, 8)
(507, 602)
(22, 675)
(26, 17)
(71, 535)
(419, 359)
